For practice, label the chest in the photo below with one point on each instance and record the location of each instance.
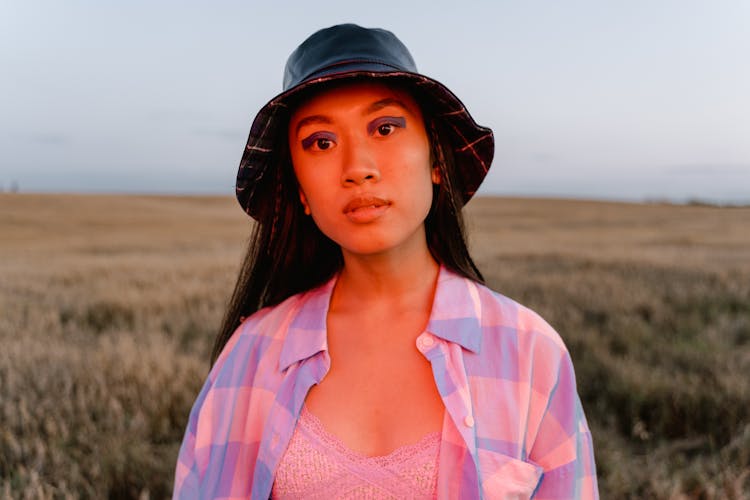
(379, 393)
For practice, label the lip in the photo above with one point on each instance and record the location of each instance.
(364, 209)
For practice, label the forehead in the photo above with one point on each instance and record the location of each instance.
(346, 96)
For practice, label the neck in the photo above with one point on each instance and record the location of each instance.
(402, 280)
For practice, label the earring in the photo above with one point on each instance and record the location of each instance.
(307, 210)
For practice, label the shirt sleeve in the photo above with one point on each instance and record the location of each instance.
(563, 445)
(187, 477)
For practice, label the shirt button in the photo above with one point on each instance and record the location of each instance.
(426, 341)
(469, 421)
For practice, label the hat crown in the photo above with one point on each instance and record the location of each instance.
(342, 45)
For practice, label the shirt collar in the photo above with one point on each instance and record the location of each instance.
(455, 317)
(456, 311)
(306, 335)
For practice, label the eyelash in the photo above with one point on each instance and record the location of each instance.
(373, 127)
(391, 121)
(314, 140)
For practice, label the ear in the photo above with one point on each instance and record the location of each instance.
(436, 176)
(303, 200)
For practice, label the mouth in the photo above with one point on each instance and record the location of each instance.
(364, 209)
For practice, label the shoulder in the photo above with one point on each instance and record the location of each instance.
(243, 382)
(258, 336)
(516, 343)
(267, 322)
(477, 317)
(520, 354)
(501, 313)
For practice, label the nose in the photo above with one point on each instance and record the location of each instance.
(360, 165)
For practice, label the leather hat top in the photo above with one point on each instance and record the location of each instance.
(344, 47)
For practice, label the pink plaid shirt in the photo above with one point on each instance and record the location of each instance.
(514, 426)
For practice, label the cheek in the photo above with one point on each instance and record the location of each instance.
(309, 182)
(298, 167)
(415, 170)
(416, 189)
(303, 171)
(313, 191)
(407, 156)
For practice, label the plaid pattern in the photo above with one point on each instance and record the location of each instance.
(514, 426)
(473, 146)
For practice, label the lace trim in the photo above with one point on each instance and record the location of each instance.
(425, 447)
(318, 466)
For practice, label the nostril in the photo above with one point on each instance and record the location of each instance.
(358, 175)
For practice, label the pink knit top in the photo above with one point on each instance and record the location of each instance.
(318, 465)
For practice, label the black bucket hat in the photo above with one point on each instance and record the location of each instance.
(348, 51)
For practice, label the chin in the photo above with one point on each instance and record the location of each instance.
(371, 245)
(377, 238)
(363, 249)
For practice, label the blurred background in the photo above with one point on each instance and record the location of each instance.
(618, 207)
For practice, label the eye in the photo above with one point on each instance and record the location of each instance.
(323, 144)
(386, 129)
(386, 125)
(319, 141)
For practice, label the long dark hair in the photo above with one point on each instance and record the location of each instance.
(288, 254)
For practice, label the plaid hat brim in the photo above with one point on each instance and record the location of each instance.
(472, 145)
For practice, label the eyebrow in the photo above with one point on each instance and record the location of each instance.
(388, 101)
(312, 119)
(377, 105)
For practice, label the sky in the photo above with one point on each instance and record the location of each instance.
(629, 100)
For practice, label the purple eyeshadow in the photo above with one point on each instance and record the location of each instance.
(398, 121)
(307, 142)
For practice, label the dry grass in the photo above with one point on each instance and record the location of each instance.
(109, 304)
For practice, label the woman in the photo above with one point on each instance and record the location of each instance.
(361, 355)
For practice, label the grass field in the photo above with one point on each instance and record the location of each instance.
(109, 305)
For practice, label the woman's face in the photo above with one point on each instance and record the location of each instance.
(362, 158)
